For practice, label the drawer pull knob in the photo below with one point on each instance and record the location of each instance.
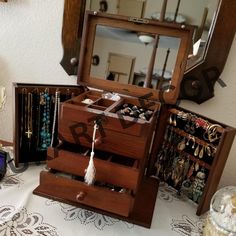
(80, 196)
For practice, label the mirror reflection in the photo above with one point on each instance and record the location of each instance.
(126, 56)
(194, 12)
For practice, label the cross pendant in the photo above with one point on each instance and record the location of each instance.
(29, 133)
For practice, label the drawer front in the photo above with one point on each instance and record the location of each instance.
(110, 141)
(110, 121)
(121, 135)
(76, 192)
(106, 171)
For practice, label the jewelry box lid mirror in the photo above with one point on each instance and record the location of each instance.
(121, 44)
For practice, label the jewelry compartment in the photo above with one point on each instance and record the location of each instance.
(35, 124)
(86, 98)
(139, 110)
(191, 153)
(102, 104)
(76, 126)
(112, 170)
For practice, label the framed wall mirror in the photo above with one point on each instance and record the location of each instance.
(213, 21)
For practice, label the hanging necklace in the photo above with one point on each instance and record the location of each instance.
(23, 94)
(45, 136)
(55, 115)
(35, 116)
(28, 117)
(28, 113)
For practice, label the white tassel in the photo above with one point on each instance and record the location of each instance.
(91, 170)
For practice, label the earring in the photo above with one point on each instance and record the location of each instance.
(174, 122)
(170, 119)
(196, 151)
(193, 146)
(208, 150)
(190, 171)
(187, 142)
(196, 166)
(181, 145)
(201, 152)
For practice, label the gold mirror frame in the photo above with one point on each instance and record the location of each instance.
(199, 80)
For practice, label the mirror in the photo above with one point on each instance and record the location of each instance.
(125, 56)
(124, 46)
(199, 13)
(198, 85)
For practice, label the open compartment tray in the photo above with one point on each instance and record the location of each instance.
(76, 124)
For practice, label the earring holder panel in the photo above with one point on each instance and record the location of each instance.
(215, 168)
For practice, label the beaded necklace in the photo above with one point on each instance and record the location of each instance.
(55, 115)
(45, 135)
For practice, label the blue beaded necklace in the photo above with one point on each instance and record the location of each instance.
(45, 135)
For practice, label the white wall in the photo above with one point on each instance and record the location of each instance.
(30, 51)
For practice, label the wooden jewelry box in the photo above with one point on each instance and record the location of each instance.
(123, 142)
(134, 128)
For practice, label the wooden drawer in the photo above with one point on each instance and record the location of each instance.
(111, 169)
(118, 134)
(111, 141)
(76, 192)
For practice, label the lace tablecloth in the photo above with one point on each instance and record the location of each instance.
(25, 214)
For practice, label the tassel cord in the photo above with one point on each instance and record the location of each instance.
(90, 171)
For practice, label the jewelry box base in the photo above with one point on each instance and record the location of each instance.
(144, 203)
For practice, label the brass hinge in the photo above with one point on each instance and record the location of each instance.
(138, 20)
